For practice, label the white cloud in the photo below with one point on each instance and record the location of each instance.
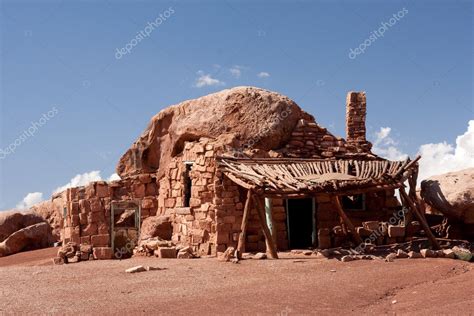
(263, 74)
(385, 146)
(29, 200)
(236, 71)
(206, 80)
(80, 180)
(436, 158)
(113, 177)
(443, 157)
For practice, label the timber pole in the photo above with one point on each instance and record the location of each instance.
(271, 248)
(424, 224)
(346, 220)
(243, 226)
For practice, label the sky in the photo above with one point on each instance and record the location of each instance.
(80, 80)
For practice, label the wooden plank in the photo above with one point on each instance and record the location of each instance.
(243, 226)
(238, 181)
(271, 248)
(346, 219)
(424, 224)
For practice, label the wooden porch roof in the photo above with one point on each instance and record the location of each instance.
(283, 176)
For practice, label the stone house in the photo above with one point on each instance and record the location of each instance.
(220, 183)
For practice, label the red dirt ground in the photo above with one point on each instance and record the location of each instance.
(30, 284)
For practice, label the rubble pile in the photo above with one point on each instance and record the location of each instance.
(164, 249)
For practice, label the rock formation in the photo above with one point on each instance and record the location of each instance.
(156, 226)
(236, 116)
(51, 213)
(13, 221)
(29, 238)
(452, 194)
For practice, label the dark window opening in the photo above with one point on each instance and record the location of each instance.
(354, 202)
(187, 184)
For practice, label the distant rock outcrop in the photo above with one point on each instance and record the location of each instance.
(236, 116)
(12, 221)
(36, 236)
(51, 213)
(452, 194)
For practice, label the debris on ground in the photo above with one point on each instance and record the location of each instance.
(139, 269)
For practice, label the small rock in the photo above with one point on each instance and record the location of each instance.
(136, 269)
(391, 257)
(166, 252)
(449, 253)
(319, 255)
(260, 256)
(184, 255)
(414, 255)
(226, 255)
(394, 302)
(439, 253)
(147, 268)
(401, 254)
(347, 259)
(246, 255)
(59, 260)
(462, 253)
(332, 270)
(307, 252)
(428, 253)
(325, 253)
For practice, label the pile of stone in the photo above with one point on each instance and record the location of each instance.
(383, 233)
(164, 249)
(73, 253)
(453, 253)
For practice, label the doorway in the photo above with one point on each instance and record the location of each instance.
(301, 223)
(125, 227)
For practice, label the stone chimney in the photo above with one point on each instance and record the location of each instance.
(356, 111)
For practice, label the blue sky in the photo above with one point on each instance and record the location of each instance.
(61, 54)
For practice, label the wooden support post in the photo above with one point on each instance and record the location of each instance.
(271, 249)
(269, 217)
(243, 226)
(346, 220)
(424, 224)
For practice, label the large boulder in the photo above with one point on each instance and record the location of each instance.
(451, 194)
(12, 221)
(234, 116)
(156, 226)
(29, 238)
(51, 213)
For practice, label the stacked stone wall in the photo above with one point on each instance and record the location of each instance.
(87, 210)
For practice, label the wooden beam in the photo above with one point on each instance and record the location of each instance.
(243, 226)
(271, 249)
(269, 218)
(424, 224)
(346, 219)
